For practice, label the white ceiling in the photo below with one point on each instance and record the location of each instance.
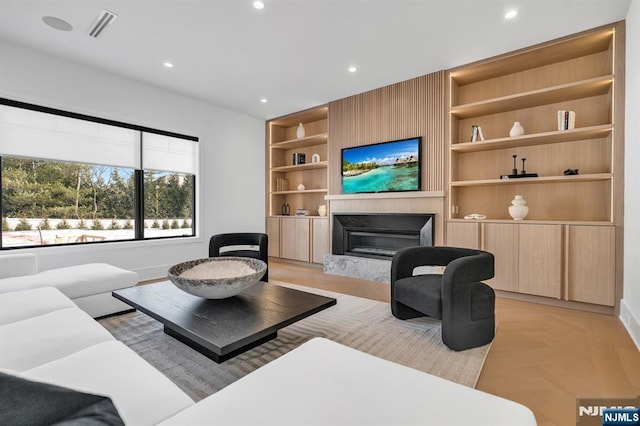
(295, 53)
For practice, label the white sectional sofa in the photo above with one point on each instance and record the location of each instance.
(89, 285)
(46, 338)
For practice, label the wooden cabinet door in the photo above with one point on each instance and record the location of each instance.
(501, 239)
(319, 239)
(273, 231)
(294, 238)
(591, 264)
(540, 260)
(463, 234)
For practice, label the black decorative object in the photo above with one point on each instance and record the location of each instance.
(298, 158)
(514, 172)
(570, 172)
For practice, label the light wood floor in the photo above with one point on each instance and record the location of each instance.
(542, 356)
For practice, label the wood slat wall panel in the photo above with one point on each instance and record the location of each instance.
(403, 110)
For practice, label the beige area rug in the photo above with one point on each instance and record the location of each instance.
(362, 324)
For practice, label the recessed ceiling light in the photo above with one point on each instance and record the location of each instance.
(511, 14)
(258, 4)
(264, 100)
(352, 69)
(57, 23)
(168, 64)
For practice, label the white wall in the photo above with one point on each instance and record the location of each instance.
(231, 185)
(630, 307)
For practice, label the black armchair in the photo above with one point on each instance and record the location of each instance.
(465, 305)
(261, 241)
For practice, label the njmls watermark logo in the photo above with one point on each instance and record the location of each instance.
(608, 411)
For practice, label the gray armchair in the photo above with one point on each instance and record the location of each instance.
(256, 246)
(457, 297)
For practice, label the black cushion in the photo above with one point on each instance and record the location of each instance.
(483, 300)
(422, 293)
(25, 402)
(241, 253)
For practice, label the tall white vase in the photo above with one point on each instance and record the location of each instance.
(518, 210)
(300, 132)
(516, 130)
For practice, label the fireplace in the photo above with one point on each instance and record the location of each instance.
(380, 235)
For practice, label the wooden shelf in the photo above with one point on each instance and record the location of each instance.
(313, 216)
(306, 191)
(567, 246)
(543, 179)
(386, 195)
(549, 53)
(564, 92)
(301, 167)
(591, 132)
(535, 222)
(312, 140)
(302, 240)
(309, 115)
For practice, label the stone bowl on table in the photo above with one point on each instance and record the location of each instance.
(217, 277)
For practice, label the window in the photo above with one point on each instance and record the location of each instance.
(168, 204)
(68, 179)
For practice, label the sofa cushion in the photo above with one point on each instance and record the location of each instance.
(44, 338)
(75, 281)
(19, 305)
(325, 383)
(422, 293)
(15, 265)
(25, 402)
(142, 395)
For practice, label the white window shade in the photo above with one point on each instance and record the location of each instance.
(165, 153)
(27, 133)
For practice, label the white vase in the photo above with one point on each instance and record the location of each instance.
(322, 210)
(516, 130)
(301, 187)
(518, 210)
(300, 132)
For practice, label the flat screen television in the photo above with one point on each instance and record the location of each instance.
(383, 167)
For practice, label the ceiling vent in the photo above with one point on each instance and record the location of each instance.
(100, 23)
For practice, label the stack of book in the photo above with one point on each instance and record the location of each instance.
(476, 133)
(566, 120)
(282, 185)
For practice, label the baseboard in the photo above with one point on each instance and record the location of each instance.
(630, 322)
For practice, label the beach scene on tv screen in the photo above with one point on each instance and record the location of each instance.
(386, 167)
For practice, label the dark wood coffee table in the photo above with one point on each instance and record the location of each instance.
(224, 328)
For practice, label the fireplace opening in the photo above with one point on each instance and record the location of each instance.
(380, 235)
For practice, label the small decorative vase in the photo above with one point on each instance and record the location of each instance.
(322, 210)
(300, 132)
(518, 210)
(516, 130)
(301, 187)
